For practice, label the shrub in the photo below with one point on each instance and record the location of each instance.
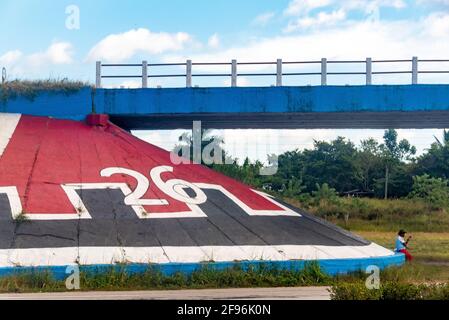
(325, 194)
(435, 191)
(401, 291)
(353, 291)
(390, 290)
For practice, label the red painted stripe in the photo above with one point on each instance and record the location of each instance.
(45, 153)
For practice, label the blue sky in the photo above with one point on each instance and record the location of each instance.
(37, 43)
(32, 27)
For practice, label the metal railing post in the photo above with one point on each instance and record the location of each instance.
(98, 75)
(144, 74)
(189, 73)
(234, 74)
(324, 72)
(415, 70)
(3, 75)
(279, 73)
(369, 71)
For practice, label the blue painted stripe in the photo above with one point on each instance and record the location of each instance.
(138, 102)
(74, 105)
(331, 266)
(274, 99)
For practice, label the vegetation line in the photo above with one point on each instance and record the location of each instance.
(30, 89)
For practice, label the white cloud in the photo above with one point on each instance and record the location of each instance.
(241, 82)
(352, 40)
(129, 84)
(370, 5)
(122, 46)
(322, 19)
(324, 13)
(355, 39)
(304, 7)
(19, 64)
(263, 19)
(57, 53)
(437, 24)
(10, 58)
(214, 41)
(301, 7)
(433, 2)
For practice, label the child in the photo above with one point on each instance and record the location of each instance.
(401, 245)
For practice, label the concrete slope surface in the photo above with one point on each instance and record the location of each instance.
(72, 193)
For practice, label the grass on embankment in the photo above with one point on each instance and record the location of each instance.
(413, 281)
(379, 221)
(425, 246)
(414, 272)
(429, 246)
(258, 277)
(362, 214)
(206, 278)
(118, 280)
(392, 291)
(31, 88)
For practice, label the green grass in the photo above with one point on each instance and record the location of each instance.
(430, 247)
(379, 215)
(379, 221)
(415, 273)
(428, 223)
(389, 291)
(31, 282)
(424, 246)
(119, 280)
(206, 278)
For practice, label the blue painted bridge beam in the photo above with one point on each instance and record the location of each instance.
(389, 106)
(412, 106)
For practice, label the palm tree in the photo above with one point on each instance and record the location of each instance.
(445, 139)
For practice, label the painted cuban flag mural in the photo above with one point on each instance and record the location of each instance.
(73, 193)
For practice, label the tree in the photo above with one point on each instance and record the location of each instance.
(211, 150)
(369, 161)
(393, 153)
(436, 161)
(332, 163)
(445, 141)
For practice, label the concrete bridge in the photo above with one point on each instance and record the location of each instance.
(371, 106)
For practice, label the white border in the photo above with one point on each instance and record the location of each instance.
(115, 255)
(8, 124)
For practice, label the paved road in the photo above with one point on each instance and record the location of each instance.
(306, 293)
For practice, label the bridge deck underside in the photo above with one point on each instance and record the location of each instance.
(309, 120)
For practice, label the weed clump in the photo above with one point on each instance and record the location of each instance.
(389, 291)
(31, 88)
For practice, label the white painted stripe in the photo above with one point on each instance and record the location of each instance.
(8, 124)
(195, 210)
(114, 255)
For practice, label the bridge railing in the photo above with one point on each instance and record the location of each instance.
(233, 73)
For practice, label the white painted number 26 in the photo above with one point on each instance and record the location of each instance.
(174, 188)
